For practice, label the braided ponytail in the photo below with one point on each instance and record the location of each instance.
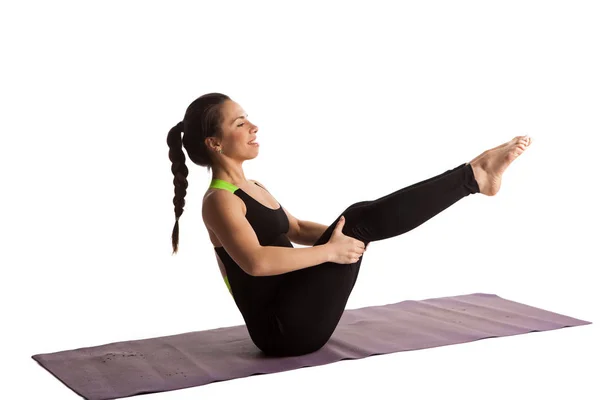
(180, 172)
(203, 118)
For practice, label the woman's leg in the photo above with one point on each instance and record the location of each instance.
(355, 214)
(311, 300)
(409, 207)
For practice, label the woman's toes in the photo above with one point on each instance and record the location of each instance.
(524, 142)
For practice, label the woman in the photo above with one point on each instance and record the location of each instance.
(293, 298)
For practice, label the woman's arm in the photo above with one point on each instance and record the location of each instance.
(309, 232)
(276, 260)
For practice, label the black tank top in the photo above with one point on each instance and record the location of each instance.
(271, 227)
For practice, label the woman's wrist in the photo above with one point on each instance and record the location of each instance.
(326, 249)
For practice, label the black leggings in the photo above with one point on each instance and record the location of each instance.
(310, 301)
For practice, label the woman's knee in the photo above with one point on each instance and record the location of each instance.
(355, 225)
(352, 225)
(358, 205)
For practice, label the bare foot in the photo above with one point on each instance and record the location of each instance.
(489, 166)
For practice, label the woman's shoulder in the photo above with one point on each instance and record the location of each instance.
(210, 191)
(253, 181)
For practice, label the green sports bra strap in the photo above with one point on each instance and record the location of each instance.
(221, 184)
(227, 284)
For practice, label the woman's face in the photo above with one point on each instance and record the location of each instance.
(238, 131)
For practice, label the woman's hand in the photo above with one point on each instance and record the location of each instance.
(344, 249)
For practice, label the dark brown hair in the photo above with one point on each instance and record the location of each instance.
(203, 118)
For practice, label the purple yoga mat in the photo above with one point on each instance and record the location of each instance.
(166, 363)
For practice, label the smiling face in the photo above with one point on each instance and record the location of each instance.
(238, 131)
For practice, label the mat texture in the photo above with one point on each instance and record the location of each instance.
(166, 363)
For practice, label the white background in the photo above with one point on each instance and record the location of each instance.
(353, 100)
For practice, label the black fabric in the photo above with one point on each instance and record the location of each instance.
(297, 312)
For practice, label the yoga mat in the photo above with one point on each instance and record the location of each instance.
(190, 359)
